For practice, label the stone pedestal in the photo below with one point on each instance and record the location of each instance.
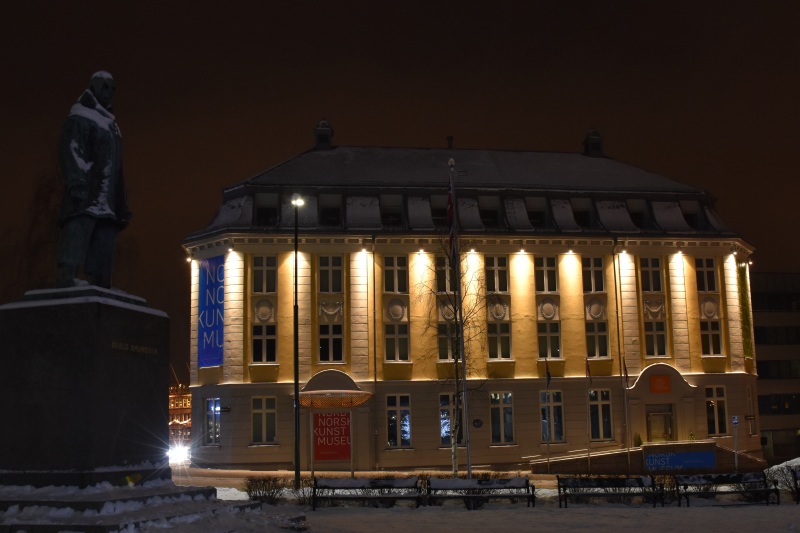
(84, 385)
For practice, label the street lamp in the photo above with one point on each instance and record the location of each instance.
(297, 201)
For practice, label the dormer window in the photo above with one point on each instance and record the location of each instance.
(691, 212)
(265, 210)
(489, 209)
(537, 212)
(330, 210)
(582, 211)
(439, 210)
(391, 210)
(637, 209)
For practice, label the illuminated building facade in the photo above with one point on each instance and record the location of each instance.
(623, 286)
(180, 415)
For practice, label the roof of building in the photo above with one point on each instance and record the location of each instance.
(350, 166)
(380, 189)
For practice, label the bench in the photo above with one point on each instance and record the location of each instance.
(476, 491)
(608, 487)
(383, 491)
(753, 485)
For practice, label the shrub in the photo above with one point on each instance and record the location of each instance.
(267, 489)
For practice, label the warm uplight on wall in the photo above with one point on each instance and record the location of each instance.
(188, 258)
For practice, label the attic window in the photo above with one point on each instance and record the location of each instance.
(391, 210)
(537, 212)
(582, 210)
(265, 212)
(691, 212)
(638, 212)
(489, 209)
(439, 210)
(330, 209)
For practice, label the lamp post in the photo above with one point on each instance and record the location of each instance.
(297, 201)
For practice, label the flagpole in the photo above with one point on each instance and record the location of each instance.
(455, 264)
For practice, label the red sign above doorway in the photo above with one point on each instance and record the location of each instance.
(660, 384)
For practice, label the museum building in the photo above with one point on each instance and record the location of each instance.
(594, 306)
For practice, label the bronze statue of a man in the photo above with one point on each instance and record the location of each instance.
(94, 208)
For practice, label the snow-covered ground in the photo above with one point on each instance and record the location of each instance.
(706, 516)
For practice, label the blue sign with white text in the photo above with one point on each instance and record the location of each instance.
(657, 462)
(211, 312)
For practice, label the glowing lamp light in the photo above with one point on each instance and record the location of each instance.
(178, 454)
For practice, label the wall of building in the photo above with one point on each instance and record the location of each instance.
(361, 308)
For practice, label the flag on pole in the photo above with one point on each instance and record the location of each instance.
(588, 372)
(452, 217)
(547, 372)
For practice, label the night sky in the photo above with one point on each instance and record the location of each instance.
(706, 93)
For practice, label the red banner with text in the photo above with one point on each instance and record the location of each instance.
(331, 436)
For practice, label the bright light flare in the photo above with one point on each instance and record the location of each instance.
(178, 454)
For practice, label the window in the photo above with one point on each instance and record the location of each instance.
(395, 274)
(592, 274)
(264, 340)
(450, 419)
(546, 274)
(446, 333)
(212, 429)
(499, 340)
(706, 274)
(549, 340)
(330, 209)
(715, 411)
(600, 414)
(264, 268)
(710, 337)
(489, 211)
(330, 273)
(444, 273)
(330, 343)
(398, 420)
(502, 415)
(779, 404)
(396, 342)
(265, 420)
(496, 273)
(391, 210)
(651, 274)
(655, 338)
(596, 339)
(552, 416)
(265, 210)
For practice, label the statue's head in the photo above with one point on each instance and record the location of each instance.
(103, 87)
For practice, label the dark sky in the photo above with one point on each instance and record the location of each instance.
(705, 93)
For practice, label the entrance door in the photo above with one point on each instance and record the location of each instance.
(659, 423)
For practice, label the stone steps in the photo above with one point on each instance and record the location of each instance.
(113, 509)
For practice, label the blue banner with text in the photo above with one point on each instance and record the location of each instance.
(211, 312)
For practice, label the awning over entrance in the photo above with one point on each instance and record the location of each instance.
(332, 388)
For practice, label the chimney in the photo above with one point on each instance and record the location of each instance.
(593, 144)
(323, 136)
